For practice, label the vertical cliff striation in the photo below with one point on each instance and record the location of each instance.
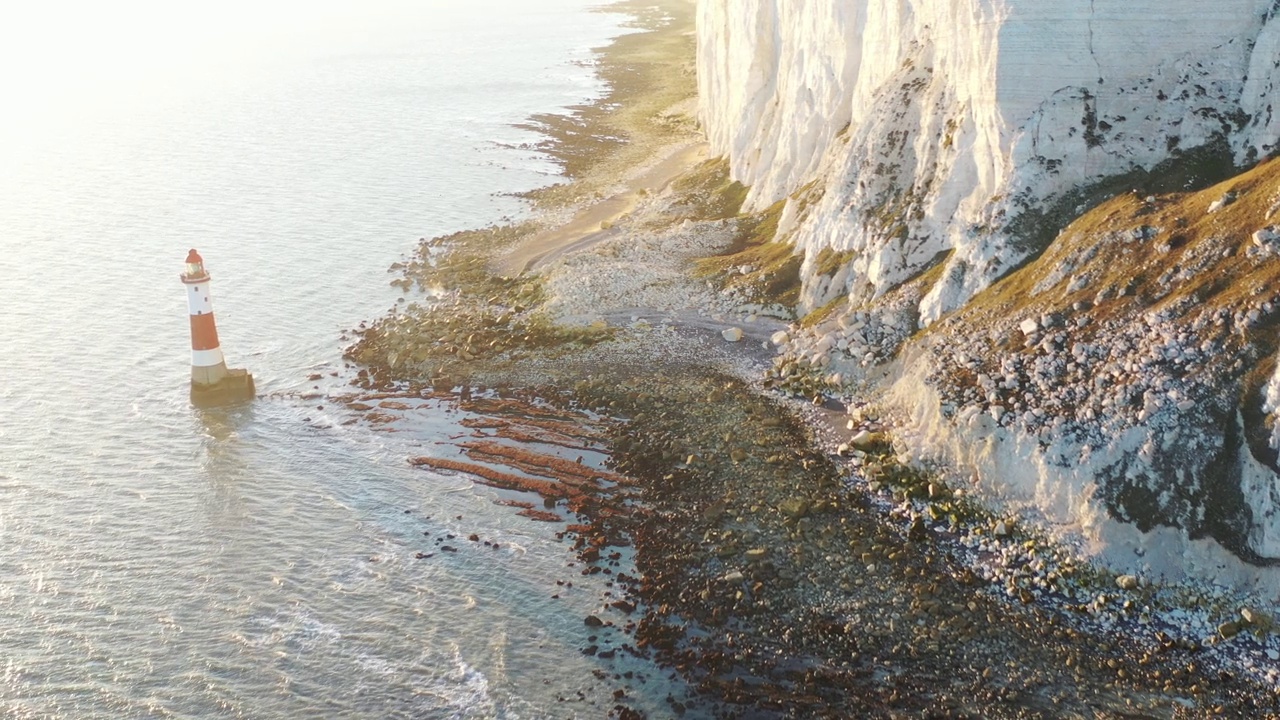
(962, 172)
(976, 128)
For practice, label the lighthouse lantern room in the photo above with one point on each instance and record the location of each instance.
(212, 383)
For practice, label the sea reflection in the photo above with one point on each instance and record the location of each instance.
(221, 426)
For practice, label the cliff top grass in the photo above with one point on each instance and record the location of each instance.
(1135, 254)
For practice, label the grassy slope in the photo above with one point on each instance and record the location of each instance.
(1191, 263)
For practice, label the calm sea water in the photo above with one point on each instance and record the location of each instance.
(158, 561)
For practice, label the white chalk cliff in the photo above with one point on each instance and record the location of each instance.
(968, 126)
(907, 133)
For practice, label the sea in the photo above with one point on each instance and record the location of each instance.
(157, 560)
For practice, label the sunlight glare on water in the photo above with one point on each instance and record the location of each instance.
(259, 562)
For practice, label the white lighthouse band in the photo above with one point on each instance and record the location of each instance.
(198, 298)
(207, 358)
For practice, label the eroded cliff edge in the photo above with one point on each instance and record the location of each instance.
(1028, 227)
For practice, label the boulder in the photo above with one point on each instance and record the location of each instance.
(1266, 237)
(1275, 208)
(866, 440)
(1257, 618)
(794, 508)
(1226, 199)
(1146, 232)
(732, 334)
(918, 532)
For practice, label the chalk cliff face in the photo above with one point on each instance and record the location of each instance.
(975, 127)
(1117, 382)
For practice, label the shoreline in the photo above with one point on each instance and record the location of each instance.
(594, 222)
(752, 528)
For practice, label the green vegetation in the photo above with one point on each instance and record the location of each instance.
(708, 192)
(829, 262)
(822, 314)
(772, 267)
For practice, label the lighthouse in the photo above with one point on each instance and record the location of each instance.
(212, 383)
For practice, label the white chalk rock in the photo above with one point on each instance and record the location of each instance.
(1266, 237)
(865, 440)
(732, 334)
(1226, 199)
(1029, 326)
(780, 338)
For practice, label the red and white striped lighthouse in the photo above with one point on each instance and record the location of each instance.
(211, 381)
(208, 367)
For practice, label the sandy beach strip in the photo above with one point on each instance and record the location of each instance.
(596, 221)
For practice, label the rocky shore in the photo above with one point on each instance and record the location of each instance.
(773, 541)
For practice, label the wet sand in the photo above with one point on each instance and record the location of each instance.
(596, 221)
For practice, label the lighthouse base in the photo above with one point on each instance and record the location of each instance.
(233, 388)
